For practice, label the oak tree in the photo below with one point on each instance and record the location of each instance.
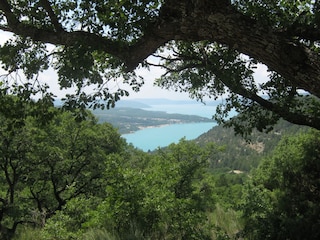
(207, 47)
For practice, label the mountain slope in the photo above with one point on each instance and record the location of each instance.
(242, 155)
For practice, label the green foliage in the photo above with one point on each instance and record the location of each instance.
(98, 234)
(226, 223)
(166, 197)
(43, 166)
(99, 44)
(127, 19)
(280, 14)
(228, 188)
(69, 222)
(72, 155)
(27, 233)
(282, 198)
(59, 228)
(26, 55)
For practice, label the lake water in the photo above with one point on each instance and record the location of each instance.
(152, 138)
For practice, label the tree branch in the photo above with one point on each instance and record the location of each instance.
(46, 5)
(11, 18)
(282, 111)
(196, 61)
(214, 21)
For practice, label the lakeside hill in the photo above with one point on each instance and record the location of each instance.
(241, 155)
(128, 119)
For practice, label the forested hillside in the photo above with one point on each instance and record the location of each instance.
(67, 178)
(245, 154)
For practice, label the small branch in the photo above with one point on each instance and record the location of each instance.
(282, 111)
(169, 59)
(52, 15)
(162, 66)
(6, 29)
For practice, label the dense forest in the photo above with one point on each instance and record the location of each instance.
(69, 178)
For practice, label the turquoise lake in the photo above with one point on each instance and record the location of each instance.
(152, 138)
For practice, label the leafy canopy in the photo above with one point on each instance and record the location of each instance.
(208, 48)
(45, 165)
(281, 199)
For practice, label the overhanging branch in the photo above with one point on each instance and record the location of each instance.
(215, 21)
(282, 111)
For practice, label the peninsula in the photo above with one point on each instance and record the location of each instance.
(128, 119)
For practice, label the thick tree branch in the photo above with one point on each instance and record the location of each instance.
(215, 21)
(11, 18)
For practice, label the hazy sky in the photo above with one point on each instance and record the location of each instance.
(148, 90)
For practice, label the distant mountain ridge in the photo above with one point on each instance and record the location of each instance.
(131, 104)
